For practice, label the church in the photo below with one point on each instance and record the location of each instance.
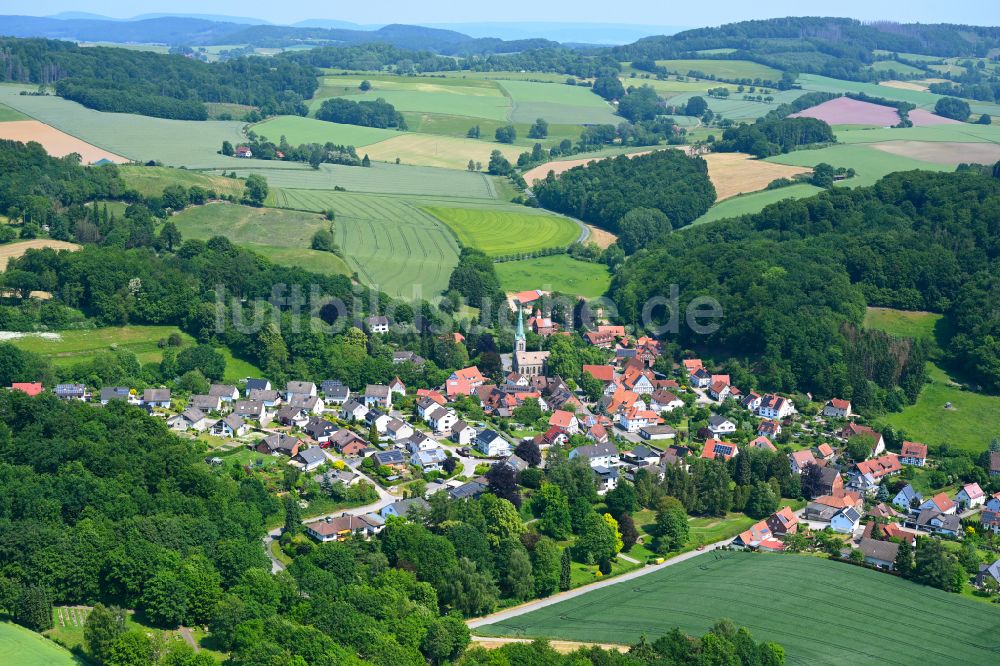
(527, 363)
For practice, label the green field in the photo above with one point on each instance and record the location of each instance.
(79, 346)
(23, 647)
(822, 612)
(284, 236)
(923, 99)
(898, 67)
(453, 102)
(723, 69)
(754, 202)
(298, 130)
(870, 164)
(957, 133)
(380, 178)
(734, 106)
(902, 323)
(558, 272)
(503, 232)
(151, 181)
(557, 103)
(7, 113)
(173, 142)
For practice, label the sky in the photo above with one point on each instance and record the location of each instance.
(658, 12)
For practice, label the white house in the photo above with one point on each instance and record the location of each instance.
(636, 419)
(397, 430)
(443, 420)
(353, 411)
(310, 458)
(913, 453)
(970, 496)
(431, 460)
(231, 426)
(904, 498)
(462, 433)
(189, 419)
(418, 441)
(701, 378)
(720, 425)
(664, 401)
(846, 520)
(225, 392)
(156, 398)
(491, 444)
(377, 324)
(774, 407)
(306, 389)
(835, 408)
(598, 455)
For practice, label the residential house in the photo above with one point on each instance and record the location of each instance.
(320, 430)
(311, 404)
(762, 443)
(824, 452)
(30, 388)
(379, 419)
(244, 152)
(720, 389)
(863, 484)
(426, 406)
(664, 401)
(751, 401)
(606, 478)
(758, 537)
(635, 419)
(638, 381)
(656, 431)
(71, 392)
(835, 408)
(267, 397)
(401, 508)
(230, 426)
(110, 393)
(347, 443)
(830, 481)
(824, 507)
(377, 324)
(775, 407)
(189, 419)
(286, 445)
(406, 356)
(469, 490)
(462, 433)
(990, 516)
(913, 453)
(516, 463)
(853, 430)
(464, 382)
(443, 420)
(206, 403)
(378, 395)
(253, 411)
(642, 455)
(343, 476)
(720, 425)
(846, 520)
(418, 441)
(224, 392)
(396, 430)
(602, 373)
(934, 521)
(431, 460)
(603, 340)
(256, 384)
(783, 522)
(769, 428)
(597, 455)
(970, 496)
(391, 458)
(908, 499)
(345, 527)
(880, 554)
(700, 378)
(565, 421)
(598, 434)
(716, 449)
(994, 463)
(292, 416)
(692, 364)
(335, 392)
(305, 389)
(397, 386)
(940, 502)
(156, 397)
(309, 458)
(881, 467)
(801, 459)
(489, 443)
(988, 571)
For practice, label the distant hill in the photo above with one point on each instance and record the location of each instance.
(220, 18)
(584, 33)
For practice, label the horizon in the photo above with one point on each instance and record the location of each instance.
(647, 12)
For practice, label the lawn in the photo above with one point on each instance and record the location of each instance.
(297, 130)
(506, 232)
(23, 647)
(755, 202)
(558, 272)
(557, 103)
(782, 598)
(723, 69)
(79, 346)
(150, 181)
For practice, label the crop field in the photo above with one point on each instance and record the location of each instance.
(957, 132)
(847, 111)
(943, 152)
(151, 181)
(10, 250)
(380, 177)
(309, 130)
(559, 166)
(738, 173)
(735, 107)
(672, 87)
(388, 240)
(723, 69)
(284, 236)
(494, 107)
(24, 647)
(896, 66)
(337, 86)
(557, 103)
(925, 100)
(436, 151)
(870, 163)
(7, 114)
(56, 143)
(558, 272)
(748, 204)
(782, 598)
(142, 138)
(503, 232)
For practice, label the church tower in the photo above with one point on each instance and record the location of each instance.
(520, 343)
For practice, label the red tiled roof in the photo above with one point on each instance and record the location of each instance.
(692, 364)
(762, 443)
(914, 450)
(561, 419)
(717, 448)
(605, 373)
(825, 450)
(31, 388)
(942, 502)
(973, 491)
(617, 331)
(879, 467)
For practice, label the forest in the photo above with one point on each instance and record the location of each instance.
(794, 281)
(168, 86)
(377, 113)
(772, 137)
(603, 192)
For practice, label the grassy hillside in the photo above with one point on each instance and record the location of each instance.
(503, 232)
(23, 647)
(556, 273)
(754, 202)
(299, 130)
(151, 181)
(783, 598)
(724, 69)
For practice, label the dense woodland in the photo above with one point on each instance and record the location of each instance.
(603, 192)
(169, 86)
(376, 113)
(794, 281)
(772, 137)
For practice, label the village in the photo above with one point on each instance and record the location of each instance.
(385, 449)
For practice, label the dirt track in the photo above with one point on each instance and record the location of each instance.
(562, 647)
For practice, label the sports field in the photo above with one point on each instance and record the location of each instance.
(557, 103)
(23, 647)
(558, 272)
(437, 151)
(822, 612)
(754, 202)
(504, 232)
(298, 130)
(723, 69)
(284, 236)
